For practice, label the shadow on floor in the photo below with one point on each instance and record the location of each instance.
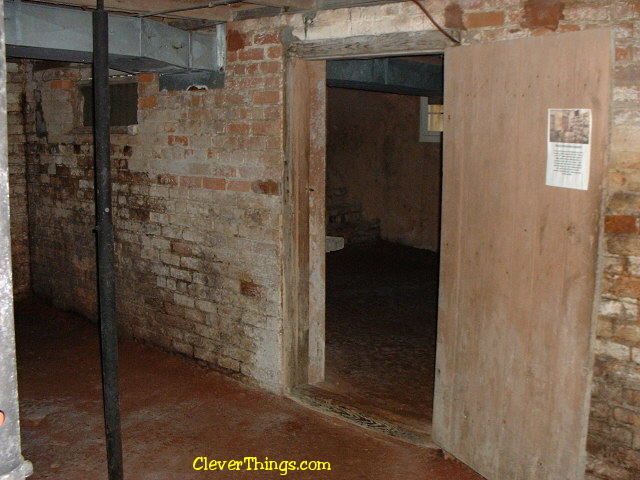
(381, 318)
(174, 411)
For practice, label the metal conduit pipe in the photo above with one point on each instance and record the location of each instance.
(104, 244)
(193, 7)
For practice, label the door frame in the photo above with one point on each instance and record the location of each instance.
(303, 242)
(304, 187)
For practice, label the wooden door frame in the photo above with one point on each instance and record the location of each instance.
(304, 187)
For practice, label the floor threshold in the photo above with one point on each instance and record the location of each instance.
(348, 409)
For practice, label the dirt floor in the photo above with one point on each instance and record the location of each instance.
(381, 321)
(174, 411)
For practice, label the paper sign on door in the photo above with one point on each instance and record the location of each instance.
(569, 148)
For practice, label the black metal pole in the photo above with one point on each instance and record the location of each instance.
(104, 244)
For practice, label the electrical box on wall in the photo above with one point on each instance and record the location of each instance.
(431, 121)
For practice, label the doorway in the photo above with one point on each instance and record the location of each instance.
(515, 331)
(381, 220)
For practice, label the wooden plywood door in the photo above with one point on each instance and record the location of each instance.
(518, 258)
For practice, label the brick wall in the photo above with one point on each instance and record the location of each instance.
(18, 180)
(614, 435)
(197, 194)
(61, 211)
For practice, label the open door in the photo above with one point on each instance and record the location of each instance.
(518, 264)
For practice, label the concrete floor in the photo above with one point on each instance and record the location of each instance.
(381, 321)
(174, 411)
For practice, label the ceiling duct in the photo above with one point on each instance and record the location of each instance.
(390, 75)
(135, 44)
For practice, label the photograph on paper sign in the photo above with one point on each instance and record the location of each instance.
(569, 148)
(569, 126)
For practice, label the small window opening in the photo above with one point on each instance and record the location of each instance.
(431, 121)
(124, 104)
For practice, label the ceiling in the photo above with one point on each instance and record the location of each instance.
(220, 11)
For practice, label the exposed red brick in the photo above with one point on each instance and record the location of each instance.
(272, 112)
(238, 69)
(238, 186)
(249, 83)
(453, 16)
(266, 39)
(483, 19)
(250, 289)
(272, 82)
(273, 143)
(190, 182)
(621, 224)
(238, 128)
(214, 183)
(269, 68)
(61, 84)
(146, 77)
(147, 102)
(269, 97)
(274, 52)
(626, 287)
(234, 98)
(251, 54)
(178, 140)
(235, 41)
(266, 128)
(542, 13)
(267, 187)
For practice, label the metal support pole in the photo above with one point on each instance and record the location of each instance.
(12, 465)
(104, 233)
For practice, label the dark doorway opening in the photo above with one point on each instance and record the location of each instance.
(381, 332)
(383, 177)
